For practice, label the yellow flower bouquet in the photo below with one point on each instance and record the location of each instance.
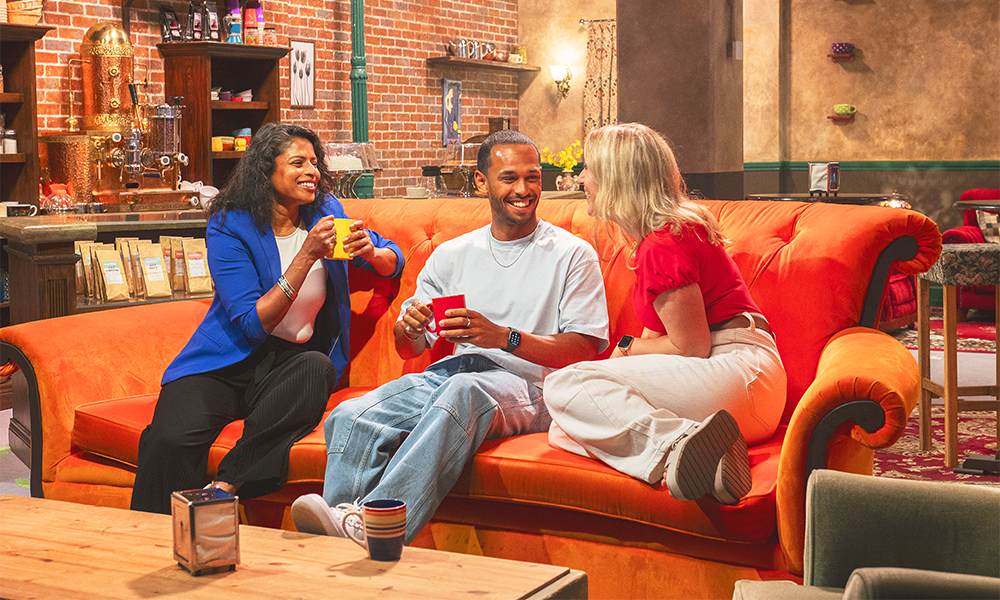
(565, 159)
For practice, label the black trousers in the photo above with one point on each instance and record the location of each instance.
(280, 391)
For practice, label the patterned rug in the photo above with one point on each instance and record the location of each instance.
(976, 434)
(976, 334)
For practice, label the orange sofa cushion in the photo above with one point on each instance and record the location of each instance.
(522, 467)
(111, 429)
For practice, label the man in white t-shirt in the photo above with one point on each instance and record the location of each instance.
(535, 303)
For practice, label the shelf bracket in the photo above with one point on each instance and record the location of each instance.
(126, 16)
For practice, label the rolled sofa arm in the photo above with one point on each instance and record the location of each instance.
(861, 371)
(889, 583)
(82, 358)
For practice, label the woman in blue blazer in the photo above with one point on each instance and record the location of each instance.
(276, 337)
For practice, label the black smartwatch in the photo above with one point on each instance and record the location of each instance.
(513, 340)
(625, 343)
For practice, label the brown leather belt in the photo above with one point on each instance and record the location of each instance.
(740, 321)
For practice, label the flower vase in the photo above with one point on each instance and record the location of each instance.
(566, 181)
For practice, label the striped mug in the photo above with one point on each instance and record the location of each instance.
(384, 527)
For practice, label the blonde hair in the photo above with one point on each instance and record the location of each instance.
(639, 186)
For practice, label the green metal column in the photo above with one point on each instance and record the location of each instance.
(365, 186)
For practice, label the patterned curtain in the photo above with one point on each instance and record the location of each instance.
(600, 90)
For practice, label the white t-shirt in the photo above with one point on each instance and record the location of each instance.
(299, 321)
(552, 284)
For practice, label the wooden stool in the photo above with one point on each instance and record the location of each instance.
(959, 264)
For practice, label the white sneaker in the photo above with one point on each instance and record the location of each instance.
(312, 514)
(732, 477)
(693, 459)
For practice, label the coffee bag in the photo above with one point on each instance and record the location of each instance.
(112, 275)
(154, 276)
(197, 279)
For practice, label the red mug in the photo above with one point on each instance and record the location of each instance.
(444, 303)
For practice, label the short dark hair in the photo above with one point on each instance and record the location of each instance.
(249, 187)
(504, 137)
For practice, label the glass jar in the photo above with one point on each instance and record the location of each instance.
(431, 181)
(270, 37)
(9, 141)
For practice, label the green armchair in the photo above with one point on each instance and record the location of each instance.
(871, 537)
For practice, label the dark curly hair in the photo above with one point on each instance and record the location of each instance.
(249, 187)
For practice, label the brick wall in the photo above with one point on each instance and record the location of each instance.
(404, 94)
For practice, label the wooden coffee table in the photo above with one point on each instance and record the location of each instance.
(51, 549)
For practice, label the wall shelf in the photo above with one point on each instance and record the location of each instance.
(839, 58)
(191, 70)
(454, 61)
(230, 105)
(841, 118)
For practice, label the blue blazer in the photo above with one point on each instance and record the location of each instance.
(244, 264)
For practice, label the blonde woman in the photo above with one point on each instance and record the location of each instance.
(678, 404)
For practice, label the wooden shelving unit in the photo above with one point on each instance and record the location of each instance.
(19, 172)
(191, 70)
(454, 61)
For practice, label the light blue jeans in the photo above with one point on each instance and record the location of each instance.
(410, 439)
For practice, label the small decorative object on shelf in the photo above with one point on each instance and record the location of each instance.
(843, 113)
(841, 52)
(566, 182)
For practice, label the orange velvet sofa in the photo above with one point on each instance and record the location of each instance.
(86, 384)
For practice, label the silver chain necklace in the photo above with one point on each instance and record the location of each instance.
(490, 241)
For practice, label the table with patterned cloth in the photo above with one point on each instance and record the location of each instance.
(958, 265)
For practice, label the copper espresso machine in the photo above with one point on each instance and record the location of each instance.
(128, 155)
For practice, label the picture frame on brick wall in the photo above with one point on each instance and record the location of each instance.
(303, 74)
(451, 112)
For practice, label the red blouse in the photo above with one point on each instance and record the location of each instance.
(665, 262)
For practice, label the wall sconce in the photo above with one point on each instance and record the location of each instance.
(561, 75)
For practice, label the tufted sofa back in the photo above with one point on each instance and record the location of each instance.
(808, 267)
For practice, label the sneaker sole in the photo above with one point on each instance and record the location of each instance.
(311, 514)
(691, 474)
(732, 478)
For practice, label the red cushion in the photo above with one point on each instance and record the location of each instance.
(981, 194)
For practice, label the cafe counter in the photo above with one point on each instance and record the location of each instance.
(42, 262)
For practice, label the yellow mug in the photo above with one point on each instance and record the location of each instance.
(216, 144)
(343, 227)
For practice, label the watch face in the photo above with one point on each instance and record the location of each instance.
(513, 341)
(625, 341)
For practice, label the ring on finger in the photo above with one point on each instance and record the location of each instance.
(468, 322)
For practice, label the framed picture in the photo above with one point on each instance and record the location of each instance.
(451, 112)
(303, 74)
